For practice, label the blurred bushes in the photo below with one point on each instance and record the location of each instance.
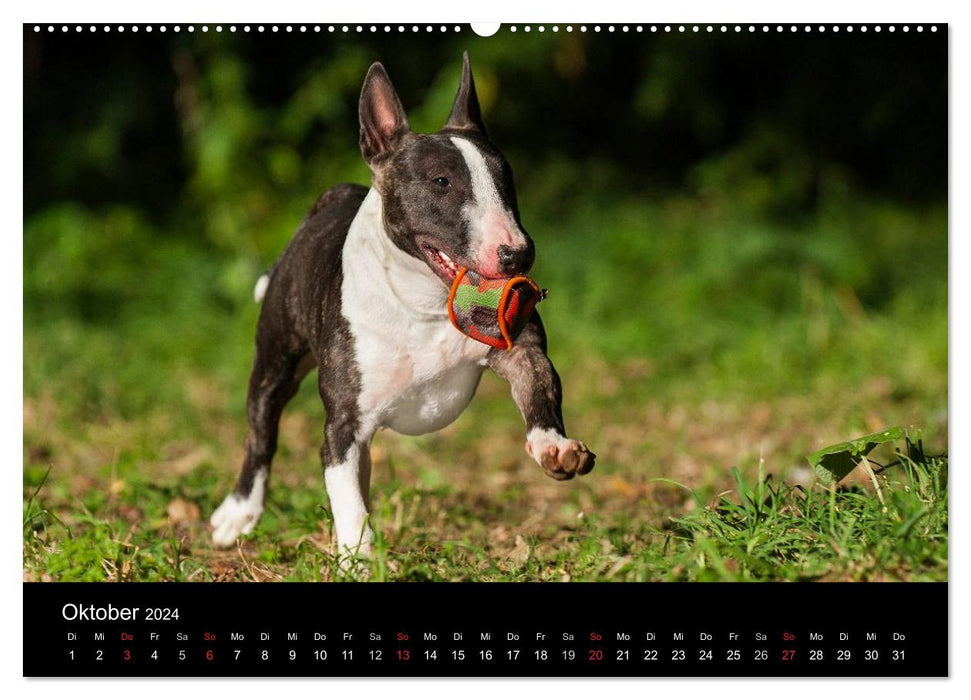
(151, 119)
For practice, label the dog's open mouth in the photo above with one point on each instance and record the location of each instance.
(441, 264)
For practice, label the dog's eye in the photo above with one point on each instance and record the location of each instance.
(441, 182)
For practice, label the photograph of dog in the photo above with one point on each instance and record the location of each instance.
(361, 295)
(702, 335)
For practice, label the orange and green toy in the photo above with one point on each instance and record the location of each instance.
(492, 311)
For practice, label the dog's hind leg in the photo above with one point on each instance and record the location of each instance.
(276, 376)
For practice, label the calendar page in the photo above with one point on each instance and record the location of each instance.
(543, 349)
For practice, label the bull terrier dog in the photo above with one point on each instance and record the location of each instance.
(362, 293)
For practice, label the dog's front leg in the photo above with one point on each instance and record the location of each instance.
(537, 392)
(346, 458)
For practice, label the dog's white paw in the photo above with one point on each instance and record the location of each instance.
(560, 457)
(236, 516)
(355, 560)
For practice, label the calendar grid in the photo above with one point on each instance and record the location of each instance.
(459, 629)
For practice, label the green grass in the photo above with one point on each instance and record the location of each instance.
(764, 530)
(776, 531)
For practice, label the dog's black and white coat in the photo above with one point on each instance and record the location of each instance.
(360, 294)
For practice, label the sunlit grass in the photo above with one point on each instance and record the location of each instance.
(760, 530)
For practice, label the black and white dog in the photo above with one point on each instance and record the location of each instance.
(360, 294)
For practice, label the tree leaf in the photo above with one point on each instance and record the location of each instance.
(833, 463)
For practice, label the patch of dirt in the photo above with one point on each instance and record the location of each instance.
(180, 510)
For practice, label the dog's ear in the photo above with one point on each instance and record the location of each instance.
(383, 120)
(465, 111)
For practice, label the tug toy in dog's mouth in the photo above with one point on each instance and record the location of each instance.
(492, 311)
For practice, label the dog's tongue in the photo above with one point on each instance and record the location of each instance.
(492, 311)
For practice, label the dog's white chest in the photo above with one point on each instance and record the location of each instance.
(425, 390)
(433, 404)
(417, 372)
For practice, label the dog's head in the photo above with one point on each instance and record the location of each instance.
(448, 197)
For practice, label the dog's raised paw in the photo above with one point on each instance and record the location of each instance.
(560, 457)
(566, 460)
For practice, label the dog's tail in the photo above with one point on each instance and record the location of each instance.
(259, 291)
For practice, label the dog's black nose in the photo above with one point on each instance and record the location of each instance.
(514, 261)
